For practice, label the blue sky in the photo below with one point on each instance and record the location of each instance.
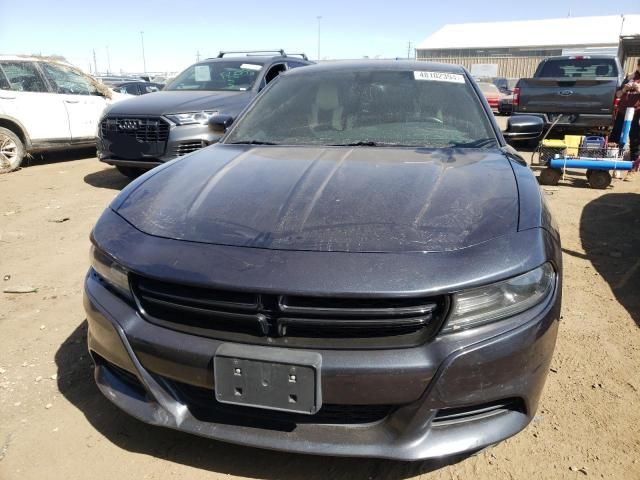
(175, 31)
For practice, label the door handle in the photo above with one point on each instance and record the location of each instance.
(7, 98)
(72, 101)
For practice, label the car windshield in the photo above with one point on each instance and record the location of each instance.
(368, 108)
(579, 68)
(217, 75)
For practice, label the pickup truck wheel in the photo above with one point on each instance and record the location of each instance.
(550, 176)
(131, 172)
(599, 179)
(11, 151)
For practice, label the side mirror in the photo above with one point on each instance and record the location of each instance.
(523, 127)
(220, 123)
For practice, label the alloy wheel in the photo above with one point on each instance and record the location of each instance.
(8, 152)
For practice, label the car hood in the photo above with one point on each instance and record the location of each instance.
(328, 199)
(164, 102)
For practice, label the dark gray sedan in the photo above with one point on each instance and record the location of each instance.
(361, 267)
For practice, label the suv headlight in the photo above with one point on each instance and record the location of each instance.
(493, 302)
(110, 271)
(191, 118)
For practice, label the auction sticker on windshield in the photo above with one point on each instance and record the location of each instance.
(251, 66)
(439, 77)
(202, 73)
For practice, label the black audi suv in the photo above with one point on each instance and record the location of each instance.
(143, 132)
(361, 267)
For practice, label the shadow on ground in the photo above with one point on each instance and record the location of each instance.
(610, 234)
(75, 382)
(108, 178)
(55, 156)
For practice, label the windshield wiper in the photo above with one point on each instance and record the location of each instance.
(481, 142)
(252, 142)
(367, 143)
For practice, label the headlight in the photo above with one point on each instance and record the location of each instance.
(503, 299)
(110, 271)
(191, 118)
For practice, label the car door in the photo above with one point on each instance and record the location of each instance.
(27, 99)
(81, 98)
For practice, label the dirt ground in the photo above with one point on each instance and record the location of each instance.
(55, 424)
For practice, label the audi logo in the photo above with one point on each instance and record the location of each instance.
(128, 125)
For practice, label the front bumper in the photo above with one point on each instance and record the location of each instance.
(143, 368)
(183, 139)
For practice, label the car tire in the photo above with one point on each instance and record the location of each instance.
(12, 151)
(599, 179)
(550, 176)
(131, 172)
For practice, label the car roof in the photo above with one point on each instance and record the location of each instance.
(260, 59)
(586, 56)
(371, 65)
(27, 58)
(21, 58)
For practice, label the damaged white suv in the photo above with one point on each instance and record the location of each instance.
(46, 105)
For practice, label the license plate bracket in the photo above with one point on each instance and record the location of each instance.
(269, 378)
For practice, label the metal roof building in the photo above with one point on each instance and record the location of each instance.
(514, 49)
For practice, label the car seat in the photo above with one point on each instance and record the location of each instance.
(326, 110)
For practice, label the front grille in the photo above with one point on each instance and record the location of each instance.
(147, 130)
(316, 322)
(448, 416)
(187, 147)
(203, 405)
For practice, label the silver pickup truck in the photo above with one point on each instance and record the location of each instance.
(581, 89)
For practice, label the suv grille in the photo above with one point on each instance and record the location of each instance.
(148, 130)
(285, 320)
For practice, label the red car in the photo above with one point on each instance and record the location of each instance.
(491, 93)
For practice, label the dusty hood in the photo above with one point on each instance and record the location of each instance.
(329, 199)
(163, 102)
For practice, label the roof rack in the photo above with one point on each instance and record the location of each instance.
(254, 52)
(303, 55)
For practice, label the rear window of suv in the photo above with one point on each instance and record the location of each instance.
(578, 68)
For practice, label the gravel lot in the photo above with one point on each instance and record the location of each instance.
(55, 424)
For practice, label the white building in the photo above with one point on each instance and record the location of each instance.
(514, 49)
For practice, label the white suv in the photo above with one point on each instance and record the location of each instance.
(46, 105)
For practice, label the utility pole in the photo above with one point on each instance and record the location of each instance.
(319, 18)
(144, 60)
(95, 64)
(409, 51)
(108, 60)
(198, 56)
